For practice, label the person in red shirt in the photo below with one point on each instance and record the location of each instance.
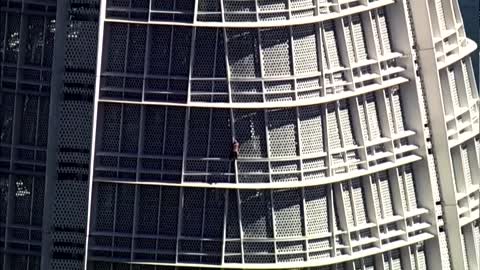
(235, 149)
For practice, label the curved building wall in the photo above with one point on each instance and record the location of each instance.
(451, 143)
(332, 104)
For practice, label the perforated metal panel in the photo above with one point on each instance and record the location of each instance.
(358, 198)
(282, 133)
(334, 139)
(346, 124)
(376, 34)
(389, 111)
(444, 250)
(373, 119)
(348, 203)
(453, 86)
(386, 191)
(275, 47)
(397, 110)
(464, 250)
(287, 207)
(330, 44)
(305, 44)
(410, 187)
(259, 223)
(243, 54)
(311, 130)
(421, 261)
(467, 173)
(250, 132)
(358, 38)
(349, 38)
(384, 32)
(376, 197)
(317, 213)
(440, 14)
(476, 237)
(466, 79)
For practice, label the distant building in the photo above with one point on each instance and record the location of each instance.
(357, 125)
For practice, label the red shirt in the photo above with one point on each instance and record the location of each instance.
(236, 147)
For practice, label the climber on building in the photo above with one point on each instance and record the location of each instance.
(235, 149)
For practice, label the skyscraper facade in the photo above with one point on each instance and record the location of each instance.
(356, 125)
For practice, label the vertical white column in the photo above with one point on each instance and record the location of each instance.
(425, 32)
(101, 28)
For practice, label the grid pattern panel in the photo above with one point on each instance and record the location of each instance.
(330, 45)
(395, 110)
(250, 132)
(453, 87)
(384, 31)
(117, 49)
(362, 115)
(464, 250)
(376, 197)
(444, 250)
(358, 198)
(359, 39)
(348, 203)
(385, 192)
(316, 207)
(311, 130)
(287, 207)
(376, 34)
(346, 124)
(476, 237)
(440, 14)
(373, 119)
(467, 174)
(136, 48)
(410, 187)
(305, 49)
(282, 133)
(243, 54)
(334, 140)
(276, 52)
(192, 212)
(259, 223)
(148, 219)
(466, 79)
(349, 38)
